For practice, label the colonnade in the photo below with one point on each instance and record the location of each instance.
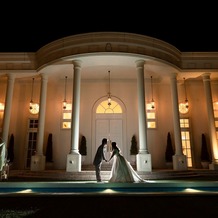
(144, 162)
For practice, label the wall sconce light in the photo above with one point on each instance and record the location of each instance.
(33, 107)
(31, 100)
(109, 92)
(2, 106)
(152, 99)
(184, 106)
(65, 91)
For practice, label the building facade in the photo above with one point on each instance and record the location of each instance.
(153, 87)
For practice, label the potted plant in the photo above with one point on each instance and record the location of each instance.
(83, 147)
(169, 151)
(205, 156)
(134, 149)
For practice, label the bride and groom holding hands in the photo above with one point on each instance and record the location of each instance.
(121, 170)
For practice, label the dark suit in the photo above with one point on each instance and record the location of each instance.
(99, 156)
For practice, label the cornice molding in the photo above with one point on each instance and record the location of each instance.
(111, 43)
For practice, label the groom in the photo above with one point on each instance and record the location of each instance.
(99, 156)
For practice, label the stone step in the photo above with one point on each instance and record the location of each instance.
(92, 167)
(89, 175)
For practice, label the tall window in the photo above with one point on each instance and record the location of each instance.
(31, 140)
(104, 108)
(186, 140)
(151, 116)
(66, 116)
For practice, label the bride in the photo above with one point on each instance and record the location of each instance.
(121, 170)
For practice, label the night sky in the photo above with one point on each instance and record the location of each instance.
(188, 27)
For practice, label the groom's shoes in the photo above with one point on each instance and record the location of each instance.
(99, 180)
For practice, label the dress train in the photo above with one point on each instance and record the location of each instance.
(122, 170)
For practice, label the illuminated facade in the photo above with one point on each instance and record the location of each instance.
(184, 107)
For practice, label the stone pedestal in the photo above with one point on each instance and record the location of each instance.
(143, 162)
(73, 163)
(37, 163)
(180, 162)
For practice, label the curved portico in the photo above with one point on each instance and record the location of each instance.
(99, 52)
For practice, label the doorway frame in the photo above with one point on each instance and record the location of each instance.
(104, 116)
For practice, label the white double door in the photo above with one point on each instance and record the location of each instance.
(111, 129)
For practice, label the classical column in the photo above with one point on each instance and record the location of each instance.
(179, 159)
(211, 119)
(74, 158)
(7, 110)
(143, 158)
(38, 160)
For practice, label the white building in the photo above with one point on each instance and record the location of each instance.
(84, 69)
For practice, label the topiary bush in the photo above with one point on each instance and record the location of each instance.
(82, 147)
(134, 148)
(205, 156)
(49, 149)
(169, 149)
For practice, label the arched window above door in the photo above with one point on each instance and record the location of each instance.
(104, 108)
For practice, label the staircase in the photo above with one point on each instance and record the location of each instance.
(88, 174)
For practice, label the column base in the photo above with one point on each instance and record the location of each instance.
(180, 162)
(73, 163)
(37, 163)
(143, 162)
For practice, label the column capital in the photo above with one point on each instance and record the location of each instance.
(173, 75)
(77, 63)
(11, 76)
(140, 63)
(206, 76)
(44, 76)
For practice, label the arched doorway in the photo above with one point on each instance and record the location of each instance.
(109, 121)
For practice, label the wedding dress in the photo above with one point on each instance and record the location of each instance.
(121, 170)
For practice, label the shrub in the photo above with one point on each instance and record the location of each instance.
(169, 149)
(134, 147)
(205, 156)
(49, 152)
(82, 147)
